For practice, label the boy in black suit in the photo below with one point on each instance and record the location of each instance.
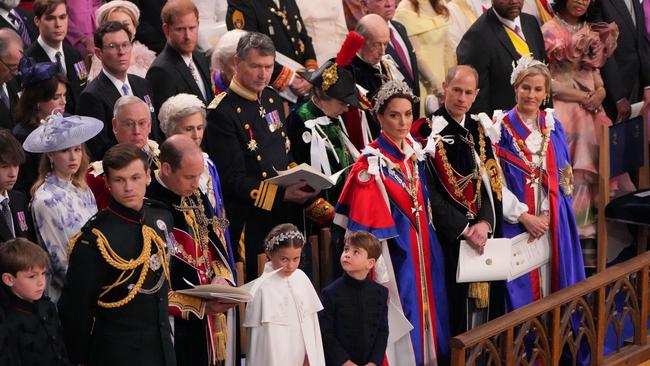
(15, 220)
(51, 18)
(354, 321)
(32, 321)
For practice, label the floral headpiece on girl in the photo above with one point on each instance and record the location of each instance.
(277, 239)
(524, 63)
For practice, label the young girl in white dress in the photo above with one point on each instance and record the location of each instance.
(281, 320)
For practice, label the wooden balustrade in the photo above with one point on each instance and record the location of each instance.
(557, 329)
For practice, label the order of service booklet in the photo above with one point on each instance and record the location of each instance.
(304, 172)
(215, 291)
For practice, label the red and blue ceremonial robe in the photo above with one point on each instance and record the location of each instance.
(566, 264)
(386, 195)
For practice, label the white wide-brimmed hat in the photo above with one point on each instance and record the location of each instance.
(59, 132)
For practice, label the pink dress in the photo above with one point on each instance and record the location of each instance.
(575, 56)
(81, 22)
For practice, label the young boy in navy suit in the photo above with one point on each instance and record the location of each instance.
(354, 323)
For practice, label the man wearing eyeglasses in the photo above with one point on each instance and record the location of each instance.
(11, 49)
(131, 124)
(113, 42)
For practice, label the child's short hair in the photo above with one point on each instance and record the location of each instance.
(21, 254)
(283, 236)
(11, 152)
(365, 240)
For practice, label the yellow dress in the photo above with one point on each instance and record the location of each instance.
(427, 31)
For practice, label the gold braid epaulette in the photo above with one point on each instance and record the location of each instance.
(115, 261)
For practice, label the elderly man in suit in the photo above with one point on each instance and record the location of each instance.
(179, 68)
(11, 50)
(399, 47)
(51, 17)
(97, 100)
(20, 20)
(492, 45)
(15, 220)
(627, 73)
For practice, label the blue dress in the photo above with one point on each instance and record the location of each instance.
(60, 209)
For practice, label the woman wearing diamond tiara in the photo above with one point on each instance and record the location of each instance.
(281, 320)
(536, 167)
(61, 200)
(386, 195)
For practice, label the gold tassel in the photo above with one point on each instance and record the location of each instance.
(480, 292)
(220, 335)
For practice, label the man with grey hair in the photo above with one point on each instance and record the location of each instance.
(19, 20)
(113, 42)
(11, 50)
(371, 67)
(131, 125)
(399, 47)
(246, 139)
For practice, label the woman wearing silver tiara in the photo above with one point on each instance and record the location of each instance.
(61, 200)
(281, 320)
(536, 166)
(385, 194)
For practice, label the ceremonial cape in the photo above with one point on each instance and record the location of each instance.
(566, 257)
(375, 198)
(199, 337)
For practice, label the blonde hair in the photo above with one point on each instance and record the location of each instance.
(46, 167)
(125, 7)
(534, 70)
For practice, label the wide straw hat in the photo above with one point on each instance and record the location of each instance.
(59, 132)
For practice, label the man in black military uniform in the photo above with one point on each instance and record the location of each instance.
(201, 256)
(114, 304)
(470, 211)
(280, 20)
(246, 139)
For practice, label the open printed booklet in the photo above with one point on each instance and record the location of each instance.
(305, 172)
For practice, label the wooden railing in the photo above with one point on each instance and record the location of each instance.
(573, 321)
